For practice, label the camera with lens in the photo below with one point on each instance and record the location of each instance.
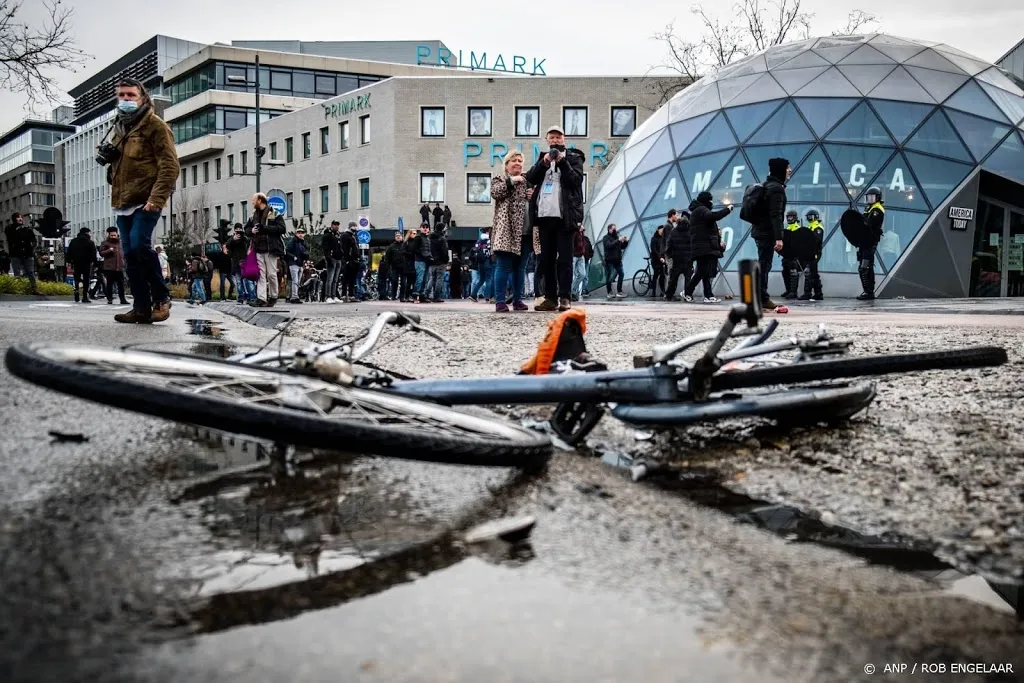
(107, 153)
(554, 152)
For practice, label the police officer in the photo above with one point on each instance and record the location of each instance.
(812, 280)
(874, 217)
(790, 257)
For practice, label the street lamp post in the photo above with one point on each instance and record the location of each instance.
(260, 151)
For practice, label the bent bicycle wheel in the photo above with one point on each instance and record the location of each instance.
(805, 405)
(859, 366)
(274, 405)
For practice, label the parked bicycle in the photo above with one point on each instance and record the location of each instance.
(320, 397)
(643, 279)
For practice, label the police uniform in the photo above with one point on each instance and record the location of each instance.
(874, 218)
(812, 280)
(790, 257)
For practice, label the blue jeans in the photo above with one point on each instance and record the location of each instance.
(579, 275)
(246, 288)
(474, 281)
(435, 283)
(421, 277)
(508, 275)
(141, 262)
(331, 284)
(198, 290)
(485, 285)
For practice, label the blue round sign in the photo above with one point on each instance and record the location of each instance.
(363, 236)
(277, 204)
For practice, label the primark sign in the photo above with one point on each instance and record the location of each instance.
(336, 110)
(479, 61)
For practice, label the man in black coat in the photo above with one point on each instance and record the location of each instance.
(21, 241)
(658, 246)
(81, 254)
(614, 244)
(394, 258)
(350, 252)
(557, 207)
(706, 244)
(767, 232)
(330, 243)
(680, 251)
(265, 229)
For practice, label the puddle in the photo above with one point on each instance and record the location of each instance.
(891, 550)
(205, 328)
(209, 330)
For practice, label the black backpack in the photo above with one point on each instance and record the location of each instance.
(754, 208)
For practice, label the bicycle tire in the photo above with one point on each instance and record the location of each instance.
(644, 278)
(827, 403)
(860, 366)
(86, 372)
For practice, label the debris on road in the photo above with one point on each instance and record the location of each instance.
(67, 437)
(509, 529)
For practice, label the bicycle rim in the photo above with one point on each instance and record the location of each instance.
(275, 405)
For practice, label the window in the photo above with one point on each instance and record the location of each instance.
(195, 175)
(216, 168)
(479, 122)
(305, 203)
(478, 188)
(245, 162)
(290, 198)
(343, 135)
(364, 192)
(527, 122)
(325, 140)
(245, 211)
(206, 220)
(623, 121)
(206, 171)
(343, 196)
(231, 212)
(346, 83)
(273, 150)
(325, 199)
(184, 177)
(574, 122)
(432, 122)
(325, 85)
(280, 80)
(302, 83)
(289, 150)
(217, 213)
(235, 119)
(305, 146)
(432, 187)
(231, 166)
(364, 130)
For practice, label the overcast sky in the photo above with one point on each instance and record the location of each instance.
(600, 37)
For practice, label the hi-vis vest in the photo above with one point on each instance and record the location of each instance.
(815, 225)
(793, 226)
(876, 205)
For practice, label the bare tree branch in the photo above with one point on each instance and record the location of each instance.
(858, 21)
(30, 53)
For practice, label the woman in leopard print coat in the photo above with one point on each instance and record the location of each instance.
(508, 191)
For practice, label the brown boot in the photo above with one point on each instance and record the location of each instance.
(547, 305)
(161, 311)
(564, 304)
(134, 317)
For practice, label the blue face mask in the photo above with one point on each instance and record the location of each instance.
(127, 106)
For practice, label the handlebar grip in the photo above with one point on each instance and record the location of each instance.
(413, 317)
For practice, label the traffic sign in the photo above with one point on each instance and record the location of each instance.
(364, 223)
(278, 205)
(363, 236)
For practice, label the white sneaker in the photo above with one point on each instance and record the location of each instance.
(329, 300)
(611, 296)
(620, 295)
(687, 298)
(710, 300)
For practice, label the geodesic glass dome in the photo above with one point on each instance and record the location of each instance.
(912, 117)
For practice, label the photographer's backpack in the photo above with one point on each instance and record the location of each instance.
(753, 210)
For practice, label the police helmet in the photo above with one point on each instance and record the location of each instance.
(812, 215)
(791, 215)
(873, 195)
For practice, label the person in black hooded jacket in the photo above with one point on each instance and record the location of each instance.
(681, 253)
(767, 232)
(658, 247)
(394, 256)
(706, 244)
(81, 254)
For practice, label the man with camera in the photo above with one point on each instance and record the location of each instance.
(142, 167)
(558, 209)
(21, 241)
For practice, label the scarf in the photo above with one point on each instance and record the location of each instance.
(124, 123)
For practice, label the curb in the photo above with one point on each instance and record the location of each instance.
(36, 297)
(260, 317)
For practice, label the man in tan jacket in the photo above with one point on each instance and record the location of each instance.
(143, 167)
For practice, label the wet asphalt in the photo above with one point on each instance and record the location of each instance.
(105, 578)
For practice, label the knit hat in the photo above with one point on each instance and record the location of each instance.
(705, 198)
(777, 167)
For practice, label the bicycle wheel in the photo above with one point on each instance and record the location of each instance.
(641, 282)
(863, 366)
(803, 405)
(275, 405)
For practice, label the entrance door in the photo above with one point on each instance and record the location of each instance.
(987, 259)
(1015, 255)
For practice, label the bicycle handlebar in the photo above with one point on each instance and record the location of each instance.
(410, 320)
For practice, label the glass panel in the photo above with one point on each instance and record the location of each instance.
(813, 180)
(899, 229)
(937, 177)
(595, 276)
(264, 78)
(1011, 105)
(599, 211)
(1008, 158)
(659, 154)
(671, 194)
(930, 59)
(832, 83)
(973, 100)
(728, 187)
(899, 186)
(901, 117)
(731, 87)
(970, 65)
(795, 79)
(1015, 256)
(635, 154)
(899, 53)
(823, 113)
(679, 103)
(861, 126)
(326, 85)
(234, 120)
(864, 78)
(698, 172)
(937, 137)
(745, 119)
(997, 78)
(763, 89)
(981, 135)
(783, 53)
(987, 259)
(634, 255)
(838, 255)
(834, 54)
(613, 176)
(622, 212)
(758, 157)
(303, 83)
(865, 54)
(280, 80)
(742, 247)
(939, 84)
(706, 101)
(748, 66)
(785, 125)
(684, 132)
(718, 135)
(857, 164)
(346, 83)
(641, 188)
(803, 60)
(900, 85)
